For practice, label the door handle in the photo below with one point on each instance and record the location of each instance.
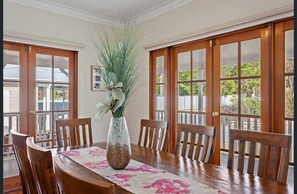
(215, 114)
(32, 112)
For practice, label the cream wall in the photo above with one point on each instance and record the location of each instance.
(189, 18)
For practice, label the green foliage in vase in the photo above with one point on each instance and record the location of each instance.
(116, 50)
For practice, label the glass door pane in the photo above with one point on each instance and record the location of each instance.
(52, 93)
(11, 97)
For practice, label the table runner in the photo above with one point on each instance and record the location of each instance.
(137, 177)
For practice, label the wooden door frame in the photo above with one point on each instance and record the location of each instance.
(27, 79)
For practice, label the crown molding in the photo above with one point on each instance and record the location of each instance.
(249, 21)
(75, 13)
(42, 41)
(64, 10)
(156, 11)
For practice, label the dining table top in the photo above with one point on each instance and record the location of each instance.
(219, 177)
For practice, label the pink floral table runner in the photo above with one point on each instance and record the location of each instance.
(137, 177)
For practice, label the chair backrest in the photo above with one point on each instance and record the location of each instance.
(271, 144)
(70, 182)
(73, 132)
(20, 151)
(197, 142)
(42, 167)
(155, 134)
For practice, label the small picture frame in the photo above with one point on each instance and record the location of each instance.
(96, 78)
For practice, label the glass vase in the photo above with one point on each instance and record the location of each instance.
(118, 144)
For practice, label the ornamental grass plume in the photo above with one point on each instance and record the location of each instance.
(116, 50)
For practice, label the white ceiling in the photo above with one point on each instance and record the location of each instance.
(106, 11)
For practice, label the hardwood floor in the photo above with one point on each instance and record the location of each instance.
(12, 185)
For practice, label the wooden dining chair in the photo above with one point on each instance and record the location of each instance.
(42, 167)
(20, 152)
(271, 144)
(74, 132)
(195, 142)
(153, 134)
(70, 182)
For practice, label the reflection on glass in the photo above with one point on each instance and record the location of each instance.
(43, 68)
(227, 123)
(11, 97)
(289, 96)
(61, 97)
(184, 118)
(61, 69)
(199, 119)
(43, 97)
(251, 96)
(251, 124)
(184, 96)
(160, 97)
(11, 68)
(160, 69)
(229, 60)
(184, 63)
(229, 96)
(250, 58)
(199, 96)
(289, 51)
(199, 64)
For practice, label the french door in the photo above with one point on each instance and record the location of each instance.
(39, 87)
(240, 85)
(242, 80)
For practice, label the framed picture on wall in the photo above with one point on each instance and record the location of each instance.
(96, 78)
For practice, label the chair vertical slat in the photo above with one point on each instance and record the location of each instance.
(146, 136)
(252, 153)
(198, 147)
(177, 145)
(140, 136)
(77, 135)
(65, 138)
(185, 142)
(84, 134)
(90, 133)
(272, 168)
(209, 149)
(262, 159)
(283, 166)
(72, 135)
(156, 138)
(231, 154)
(161, 140)
(205, 148)
(192, 144)
(241, 156)
(151, 136)
(59, 138)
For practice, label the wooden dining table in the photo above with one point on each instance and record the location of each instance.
(218, 177)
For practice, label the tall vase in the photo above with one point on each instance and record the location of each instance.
(118, 144)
